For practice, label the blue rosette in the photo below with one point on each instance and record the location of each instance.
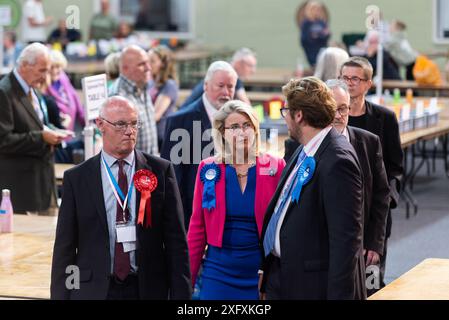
(303, 176)
(209, 175)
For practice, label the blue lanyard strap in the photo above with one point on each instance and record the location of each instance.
(116, 186)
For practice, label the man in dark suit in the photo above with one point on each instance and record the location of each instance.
(122, 246)
(244, 62)
(375, 185)
(188, 132)
(26, 144)
(313, 245)
(357, 72)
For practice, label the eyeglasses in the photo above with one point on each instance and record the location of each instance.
(353, 80)
(343, 111)
(284, 111)
(244, 127)
(122, 125)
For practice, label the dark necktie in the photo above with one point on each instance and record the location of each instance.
(122, 264)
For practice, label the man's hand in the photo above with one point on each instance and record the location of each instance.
(372, 258)
(52, 137)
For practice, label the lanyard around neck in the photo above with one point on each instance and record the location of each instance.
(121, 199)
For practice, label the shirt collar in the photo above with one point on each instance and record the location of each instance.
(110, 160)
(210, 109)
(312, 146)
(23, 84)
(132, 85)
(346, 134)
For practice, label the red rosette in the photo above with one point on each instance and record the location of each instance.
(145, 182)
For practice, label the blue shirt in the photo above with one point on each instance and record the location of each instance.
(110, 201)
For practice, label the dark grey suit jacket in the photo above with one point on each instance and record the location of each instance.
(375, 184)
(26, 160)
(191, 149)
(321, 236)
(82, 236)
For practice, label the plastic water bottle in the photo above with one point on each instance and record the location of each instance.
(6, 212)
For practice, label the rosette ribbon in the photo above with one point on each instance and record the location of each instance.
(210, 174)
(145, 182)
(303, 176)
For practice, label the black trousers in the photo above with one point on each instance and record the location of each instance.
(127, 289)
(273, 286)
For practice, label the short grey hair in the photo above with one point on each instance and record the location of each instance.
(31, 52)
(115, 100)
(337, 83)
(218, 125)
(111, 64)
(241, 54)
(219, 66)
(329, 62)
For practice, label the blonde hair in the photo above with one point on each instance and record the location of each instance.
(57, 57)
(233, 106)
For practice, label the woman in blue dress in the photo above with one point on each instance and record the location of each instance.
(232, 192)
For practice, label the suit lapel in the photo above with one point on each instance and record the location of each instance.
(141, 164)
(23, 99)
(205, 121)
(96, 190)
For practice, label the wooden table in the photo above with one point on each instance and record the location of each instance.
(25, 257)
(273, 78)
(429, 280)
(426, 90)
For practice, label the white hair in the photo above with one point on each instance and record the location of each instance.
(241, 54)
(219, 66)
(329, 62)
(336, 83)
(31, 52)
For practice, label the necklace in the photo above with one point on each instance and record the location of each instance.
(242, 175)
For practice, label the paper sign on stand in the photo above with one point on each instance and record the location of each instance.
(95, 92)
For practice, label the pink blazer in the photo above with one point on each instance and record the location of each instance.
(208, 226)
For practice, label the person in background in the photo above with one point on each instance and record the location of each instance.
(63, 35)
(103, 24)
(61, 89)
(11, 49)
(244, 62)
(26, 143)
(133, 84)
(390, 69)
(124, 30)
(329, 62)
(244, 182)
(112, 67)
(400, 49)
(357, 73)
(34, 22)
(314, 30)
(196, 119)
(148, 259)
(165, 89)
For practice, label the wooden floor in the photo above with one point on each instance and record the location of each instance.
(25, 257)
